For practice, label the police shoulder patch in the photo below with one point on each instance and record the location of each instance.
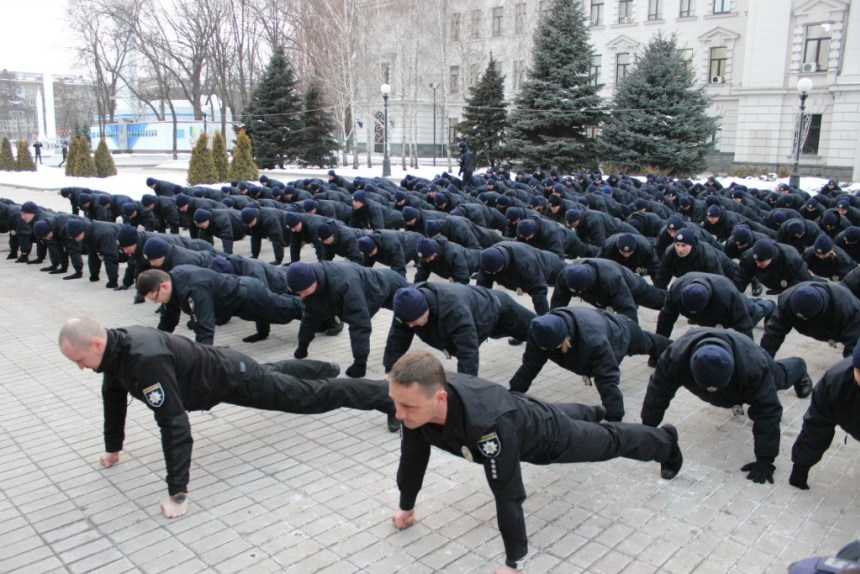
(490, 445)
(154, 395)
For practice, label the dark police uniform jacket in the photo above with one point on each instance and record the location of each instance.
(171, 375)
(614, 287)
(461, 318)
(786, 269)
(834, 267)
(272, 276)
(752, 383)
(838, 322)
(394, 249)
(352, 293)
(643, 260)
(525, 268)
(598, 344)
(835, 402)
(226, 224)
(178, 255)
(488, 425)
(702, 257)
(453, 262)
(727, 307)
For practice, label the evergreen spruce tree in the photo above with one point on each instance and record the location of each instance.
(105, 167)
(72, 156)
(557, 102)
(200, 168)
(272, 118)
(485, 117)
(7, 160)
(84, 164)
(243, 167)
(660, 117)
(317, 146)
(220, 162)
(24, 160)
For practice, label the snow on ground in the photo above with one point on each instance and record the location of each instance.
(133, 171)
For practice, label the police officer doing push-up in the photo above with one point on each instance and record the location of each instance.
(172, 375)
(484, 423)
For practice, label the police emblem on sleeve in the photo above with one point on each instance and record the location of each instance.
(467, 454)
(489, 445)
(154, 395)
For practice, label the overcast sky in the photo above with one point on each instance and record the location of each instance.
(35, 38)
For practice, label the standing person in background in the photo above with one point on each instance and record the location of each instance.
(38, 147)
(65, 152)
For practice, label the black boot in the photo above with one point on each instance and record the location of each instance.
(672, 466)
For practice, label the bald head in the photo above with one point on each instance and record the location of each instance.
(83, 341)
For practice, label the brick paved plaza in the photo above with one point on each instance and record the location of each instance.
(278, 492)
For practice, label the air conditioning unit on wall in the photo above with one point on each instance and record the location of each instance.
(808, 67)
(717, 79)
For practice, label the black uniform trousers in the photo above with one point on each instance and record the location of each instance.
(759, 308)
(791, 371)
(513, 319)
(643, 342)
(258, 304)
(571, 436)
(650, 297)
(263, 387)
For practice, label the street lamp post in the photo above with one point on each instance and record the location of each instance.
(434, 87)
(804, 86)
(386, 161)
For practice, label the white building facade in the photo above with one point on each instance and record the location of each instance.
(749, 55)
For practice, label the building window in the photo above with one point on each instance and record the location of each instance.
(544, 7)
(810, 145)
(655, 9)
(622, 66)
(454, 79)
(816, 51)
(386, 73)
(453, 124)
(474, 74)
(686, 54)
(625, 11)
(594, 73)
(476, 24)
(686, 9)
(597, 12)
(498, 12)
(520, 17)
(519, 73)
(722, 6)
(455, 27)
(717, 64)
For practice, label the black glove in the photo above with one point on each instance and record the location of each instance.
(759, 471)
(120, 288)
(356, 370)
(798, 477)
(301, 352)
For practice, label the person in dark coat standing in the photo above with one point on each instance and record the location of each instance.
(37, 145)
(776, 266)
(826, 260)
(346, 293)
(521, 268)
(711, 300)
(590, 343)
(172, 375)
(727, 369)
(467, 163)
(482, 422)
(835, 402)
(455, 319)
(606, 285)
(823, 311)
(65, 151)
(210, 298)
(446, 259)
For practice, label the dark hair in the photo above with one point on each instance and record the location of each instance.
(421, 368)
(149, 280)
